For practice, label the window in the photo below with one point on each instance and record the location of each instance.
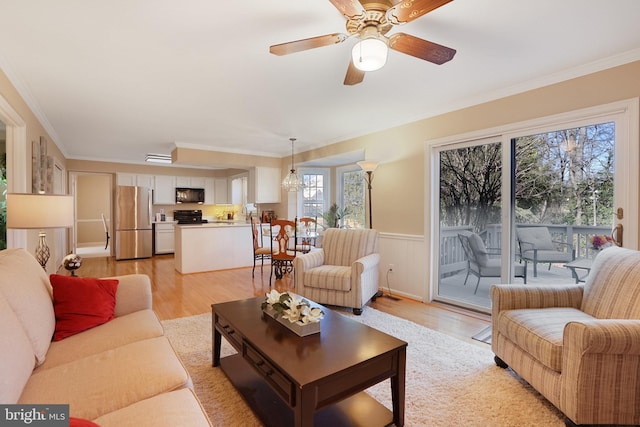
(351, 196)
(314, 199)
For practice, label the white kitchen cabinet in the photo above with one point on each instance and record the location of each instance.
(132, 180)
(221, 195)
(267, 185)
(128, 179)
(209, 191)
(165, 238)
(144, 180)
(164, 190)
(190, 181)
(197, 182)
(183, 181)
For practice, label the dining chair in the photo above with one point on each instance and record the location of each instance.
(259, 251)
(309, 233)
(282, 247)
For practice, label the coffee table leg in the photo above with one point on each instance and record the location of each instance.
(397, 389)
(217, 342)
(303, 412)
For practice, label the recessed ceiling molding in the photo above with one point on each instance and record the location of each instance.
(203, 147)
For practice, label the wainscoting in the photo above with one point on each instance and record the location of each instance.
(407, 253)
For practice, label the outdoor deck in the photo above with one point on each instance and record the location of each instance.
(453, 286)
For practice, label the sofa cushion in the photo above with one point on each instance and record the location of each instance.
(332, 277)
(539, 332)
(115, 333)
(81, 303)
(177, 408)
(26, 287)
(114, 379)
(81, 422)
(612, 289)
(16, 355)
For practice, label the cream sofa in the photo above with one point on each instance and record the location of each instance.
(344, 272)
(121, 373)
(578, 345)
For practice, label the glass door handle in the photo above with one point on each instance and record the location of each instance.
(616, 234)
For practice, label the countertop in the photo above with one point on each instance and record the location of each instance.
(215, 225)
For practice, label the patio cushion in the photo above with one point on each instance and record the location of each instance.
(480, 250)
(539, 237)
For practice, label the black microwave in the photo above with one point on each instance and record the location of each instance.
(189, 195)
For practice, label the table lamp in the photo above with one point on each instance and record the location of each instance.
(39, 211)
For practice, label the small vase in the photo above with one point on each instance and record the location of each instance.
(299, 329)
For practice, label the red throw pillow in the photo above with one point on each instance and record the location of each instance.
(81, 303)
(79, 422)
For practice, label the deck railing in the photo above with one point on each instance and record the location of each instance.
(453, 259)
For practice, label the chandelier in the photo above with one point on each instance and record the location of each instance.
(292, 182)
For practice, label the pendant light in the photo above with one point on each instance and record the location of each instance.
(292, 182)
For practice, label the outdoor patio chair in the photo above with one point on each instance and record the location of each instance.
(536, 245)
(479, 262)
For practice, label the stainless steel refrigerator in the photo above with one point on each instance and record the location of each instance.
(134, 234)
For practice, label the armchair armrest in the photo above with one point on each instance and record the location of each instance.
(133, 294)
(366, 263)
(600, 370)
(511, 297)
(303, 262)
(603, 336)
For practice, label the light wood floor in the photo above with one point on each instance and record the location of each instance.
(178, 295)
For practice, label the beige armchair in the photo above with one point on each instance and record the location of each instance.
(344, 272)
(578, 345)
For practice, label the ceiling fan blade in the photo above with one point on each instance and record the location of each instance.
(304, 44)
(351, 9)
(354, 76)
(408, 10)
(420, 48)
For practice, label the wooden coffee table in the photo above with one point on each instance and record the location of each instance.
(314, 380)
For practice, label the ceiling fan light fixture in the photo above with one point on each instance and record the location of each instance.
(370, 54)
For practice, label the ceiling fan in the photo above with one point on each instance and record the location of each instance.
(370, 21)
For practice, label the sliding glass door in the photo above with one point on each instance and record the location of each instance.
(531, 206)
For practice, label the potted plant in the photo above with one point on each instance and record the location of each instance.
(333, 216)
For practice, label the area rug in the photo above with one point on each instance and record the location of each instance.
(484, 335)
(448, 382)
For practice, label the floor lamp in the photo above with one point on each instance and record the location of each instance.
(369, 167)
(39, 211)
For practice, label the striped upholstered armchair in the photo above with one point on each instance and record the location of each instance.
(344, 272)
(578, 345)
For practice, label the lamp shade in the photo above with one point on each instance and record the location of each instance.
(39, 211)
(368, 165)
(369, 54)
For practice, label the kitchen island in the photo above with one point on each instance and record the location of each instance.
(212, 246)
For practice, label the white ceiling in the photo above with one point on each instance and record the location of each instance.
(113, 80)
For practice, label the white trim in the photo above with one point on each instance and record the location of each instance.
(16, 141)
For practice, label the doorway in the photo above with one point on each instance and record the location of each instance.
(566, 178)
(93, 195)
